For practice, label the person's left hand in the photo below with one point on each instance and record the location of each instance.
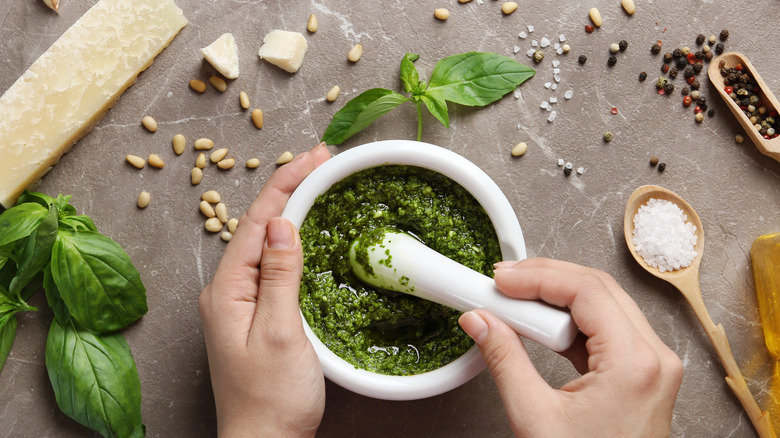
(266, 377)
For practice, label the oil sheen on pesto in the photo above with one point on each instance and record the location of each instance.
(377, 330)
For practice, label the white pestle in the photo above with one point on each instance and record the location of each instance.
(403, 264)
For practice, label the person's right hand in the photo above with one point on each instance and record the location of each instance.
(630, 378)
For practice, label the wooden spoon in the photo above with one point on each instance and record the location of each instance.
(731, 59)
(686, 280)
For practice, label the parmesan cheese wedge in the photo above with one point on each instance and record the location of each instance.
(284, 49)
(71, 86)
(222, 54)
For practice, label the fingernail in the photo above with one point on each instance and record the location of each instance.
(320, 145)
(504, 264)
(474, 326)
(280, 234)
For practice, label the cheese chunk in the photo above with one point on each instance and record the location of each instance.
(71, 86)
(284, 49)
(222, 54)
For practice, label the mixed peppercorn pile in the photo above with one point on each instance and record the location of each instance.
(744, 90)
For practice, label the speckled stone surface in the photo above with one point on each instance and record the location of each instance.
(734, 189)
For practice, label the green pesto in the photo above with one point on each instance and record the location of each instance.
(384, 331)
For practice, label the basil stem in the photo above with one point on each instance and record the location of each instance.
(7, 336)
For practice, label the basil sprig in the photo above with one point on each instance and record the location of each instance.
(472, 79)
(94, 290)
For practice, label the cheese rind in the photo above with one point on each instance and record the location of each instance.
(284, 49)
(72, 85)
(222, 54)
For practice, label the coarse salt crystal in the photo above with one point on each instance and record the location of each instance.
(562, 38)
(557, 46)
(557, 78)
(560, 161)
(518, 94)
(534, 43)
(552, 116)
(553, 100)
(516, 49)
(556, 71)
(569, 165)
(568, 94)
(544, 105)
(554, 87)
(544, 42)
(547, 84)
(530, 28)
(522, 34)
(556, 63)
(580, 170)
(559, 51)
(530, 52)
(663, 237)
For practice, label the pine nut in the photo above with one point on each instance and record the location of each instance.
(629, 6)
(355, 53)
(218, 83)
(333, 94)
(207, 209)
(213, 224)
(200, 162)
(508, 7)
(227, 163)
(143, 199)
(196, 175)
(441, 13)
(226, 236)
(204, 144)
(253, 163)
(218, 155)
(156, 161)
(149, 123)
(179, 143)
(463, 1)
(519, 149)
(232, 224)
(243, 99)
(198, 85)
(595, 17)
(221, 212)
(312, 25)
(136, 161)
(210, 196)
(257, 118)
(285, 158)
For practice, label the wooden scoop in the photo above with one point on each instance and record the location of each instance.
(731, 59)
(686, 280)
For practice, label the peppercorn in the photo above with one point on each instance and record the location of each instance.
(697, 68)
(700, 39)
(667, 58)
(701, 100)
(582, 59)
(642, 76)
(703, 107)
(567, 171)
(685, 51)
(677, 53)
(688, 72)
(739, 138)
(690, 80)
(713, 39)
(711, 112)
(656, 49)
(538, 56)
(607, 136)
(699, 55)
(724, 35)
(653, 161)
(660, 83)
(719, 48)
(695, 84)
(669, 87)
(661, 167)
(705, 48)
(708, 56)
(623, 44)
(687, 100)
(695, 94)
(589, 28)
(664, 68)
(673, 73)
(681, 62)
(699, 117)
(612, 60)
(685, 91)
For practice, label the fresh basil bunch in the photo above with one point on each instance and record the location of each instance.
(94, 290)
(472, 79)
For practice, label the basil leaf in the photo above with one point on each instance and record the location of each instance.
(54, 298)
(20, 221)
(39, 198)
(63, 206)
(7, 336)
(409, 75)
(78, 223)
(360, 112)
(97, 281)
(476, 78)
(36, 252)
(437, 107)
(95, 380)
(5, 254)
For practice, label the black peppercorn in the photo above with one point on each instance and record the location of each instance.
(711, 112)
(697, 68)
(664, 68)
(673, 73)
(582, 59)
(656, 49)
(667, 58)
(661, 167)
(708, 56)
(688, 72)
(719, 48)
(695, 85)
(669, 87)
(703, 107)
(731, 78)
(623, 44)
(700, 39)
(567, 171)
(681, 63)
(612, 60)
(699, 55)
(701, 100)
(642, 76)
(653, 161)
(685, 91)
(677, 53)
(724, 35)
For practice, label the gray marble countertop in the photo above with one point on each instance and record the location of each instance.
(734, 189)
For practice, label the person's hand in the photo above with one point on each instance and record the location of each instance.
(266, 377)
(629, 377)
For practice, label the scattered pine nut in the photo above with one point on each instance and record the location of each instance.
(143, 199)
(196, 175)
(519, 149)
(218, 155)
(508, 7)
(252, 163)
(285, 158)
(136, 161)
(232, 224)
(204, 144)
(218, 83)
(463, 1)
(355, 53)
(243, 99)
(213, 225)
(441, 13)
(628, 6)
(200, 162)
(333, 94)
(226, 236)
(210, 196)
(179, 143)
(227, 163)
(149, 123)
(312, 25)
(156, 161)
(257, 118)
(198, 85)
(595, 17)
(221, 212)
(207, 209)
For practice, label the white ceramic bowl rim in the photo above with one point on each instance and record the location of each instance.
(457, 168)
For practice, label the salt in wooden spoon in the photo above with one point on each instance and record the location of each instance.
(686, 280)
(769, 147)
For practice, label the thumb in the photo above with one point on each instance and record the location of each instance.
(522, 389)
(281, 266)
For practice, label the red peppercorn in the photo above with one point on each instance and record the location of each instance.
(691, 58)
(690, 79)
(773, 113)
(661, 91)
(614, 110)
(665, 68)
(766, 136)
(589, 28)
(738, 67)
(697, 109)
(687, 100)
(728, 89)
